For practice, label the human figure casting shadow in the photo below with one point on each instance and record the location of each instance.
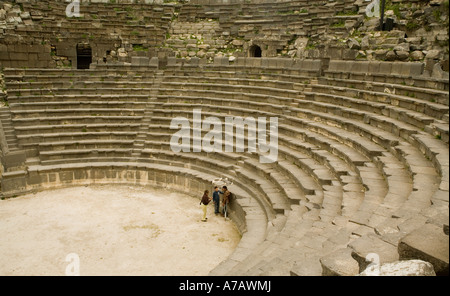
(204, 203)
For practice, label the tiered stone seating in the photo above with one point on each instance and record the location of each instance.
(68, 118)
(369, 212)
(358, 169)
(99, 19)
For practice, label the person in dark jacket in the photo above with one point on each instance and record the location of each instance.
(226, 199)
(216, 199)
(205, 201)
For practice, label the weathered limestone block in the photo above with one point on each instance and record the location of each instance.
(428, 243)
(140, 61)
(2, 14)
(352, 43)
(310, 266)
(339, 263)
(222, 61)
(433, 54)
(391, 56)
(14, 181)
(14, 159)
(402, 55)
(417, 55)
(400, 268)
(369, 244)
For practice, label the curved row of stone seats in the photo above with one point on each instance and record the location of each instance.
(399, 120)
(52, 98)
(273, 65)
(437, 110)
(105, 71)
(27, 93)
(236, 81)
(381, 137)
(94, 76)
(234, 76)
(135, 33)
(425, 108)
(400, 73)
(411, 91)
(50, 31)
(75, 85)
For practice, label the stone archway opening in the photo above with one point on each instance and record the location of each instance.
(84, 56)
(255, 51)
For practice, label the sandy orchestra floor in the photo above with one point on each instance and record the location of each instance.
(114, 230)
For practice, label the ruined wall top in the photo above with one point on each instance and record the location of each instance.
(162, 1)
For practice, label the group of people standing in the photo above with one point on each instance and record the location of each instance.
(206, 199)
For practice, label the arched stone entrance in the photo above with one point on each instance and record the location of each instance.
(255, 51)
(84, 56)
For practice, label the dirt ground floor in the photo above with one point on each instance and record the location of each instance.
(111, 230)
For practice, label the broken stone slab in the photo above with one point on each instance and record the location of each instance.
(369, 246)
(433, 54)
(428, 243)
(417, 55)
(339, 263)
(402, 55)
(391, 56)
(400, 268)
(402, 47)
(439, 73)
(307, 267)
(352, 43)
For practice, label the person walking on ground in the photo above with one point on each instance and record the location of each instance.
(216, 199)
(226, 199)
(205, 201)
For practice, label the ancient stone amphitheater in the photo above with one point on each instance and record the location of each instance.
(363, 115)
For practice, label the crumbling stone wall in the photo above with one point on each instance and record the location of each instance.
(38, 33)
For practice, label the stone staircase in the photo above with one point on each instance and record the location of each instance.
(148, 114)
(8, 129)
